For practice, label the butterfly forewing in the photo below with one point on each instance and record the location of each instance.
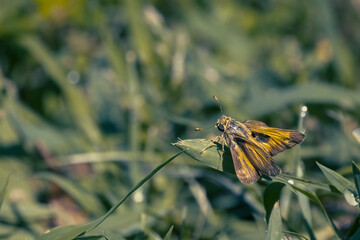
(274, 140)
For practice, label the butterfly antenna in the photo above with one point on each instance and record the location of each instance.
(217, 100)
(202, 129)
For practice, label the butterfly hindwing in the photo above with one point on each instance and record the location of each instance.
(258, 157)
(244, 169)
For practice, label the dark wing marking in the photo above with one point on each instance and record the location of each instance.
(273, 140)
(259, 158)
(244, 169)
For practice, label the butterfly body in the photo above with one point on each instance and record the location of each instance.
(252, 145)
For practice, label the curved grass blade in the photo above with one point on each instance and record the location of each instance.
(195, 149)
(340, 182)
(313, 196)
(168, 234)
(76, 102)
(71, 232)
(313, 186)
(344, 186)
(274, 231)
(271, 196)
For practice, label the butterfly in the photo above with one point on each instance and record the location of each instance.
(253, 144)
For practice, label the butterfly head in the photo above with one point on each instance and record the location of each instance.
(222, 123)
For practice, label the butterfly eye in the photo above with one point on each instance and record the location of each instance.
(220, 127)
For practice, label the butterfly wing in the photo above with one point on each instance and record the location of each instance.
(273, 140)
(244, 169)
(258, 157)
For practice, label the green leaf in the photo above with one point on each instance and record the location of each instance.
(168, 234)
(70, 232)
(294, 181)
(344, 186)
(305, 209)
(271, 196)
(208, 152)
(312, 196)
(65, 232)
(274, 231)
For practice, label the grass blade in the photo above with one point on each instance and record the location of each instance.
(75, 99)
(70, 232)
(344, 186)
(168, 234)
(274, 231)
(271, 196)
(312, 196)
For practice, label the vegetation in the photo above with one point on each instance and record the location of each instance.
(95, 95)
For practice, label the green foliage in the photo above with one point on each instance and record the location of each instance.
(343, 185)
(92, 93)
(297, 186)
(271, 196)
(275, 224)
(168, 234)
(70, 232)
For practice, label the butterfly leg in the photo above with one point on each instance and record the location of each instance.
(217, 139)
(220, 140)
(222, 150)
(207, 147)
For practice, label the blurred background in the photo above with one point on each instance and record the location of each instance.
(93, 93)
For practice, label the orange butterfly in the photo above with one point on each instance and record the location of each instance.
(252, 145)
